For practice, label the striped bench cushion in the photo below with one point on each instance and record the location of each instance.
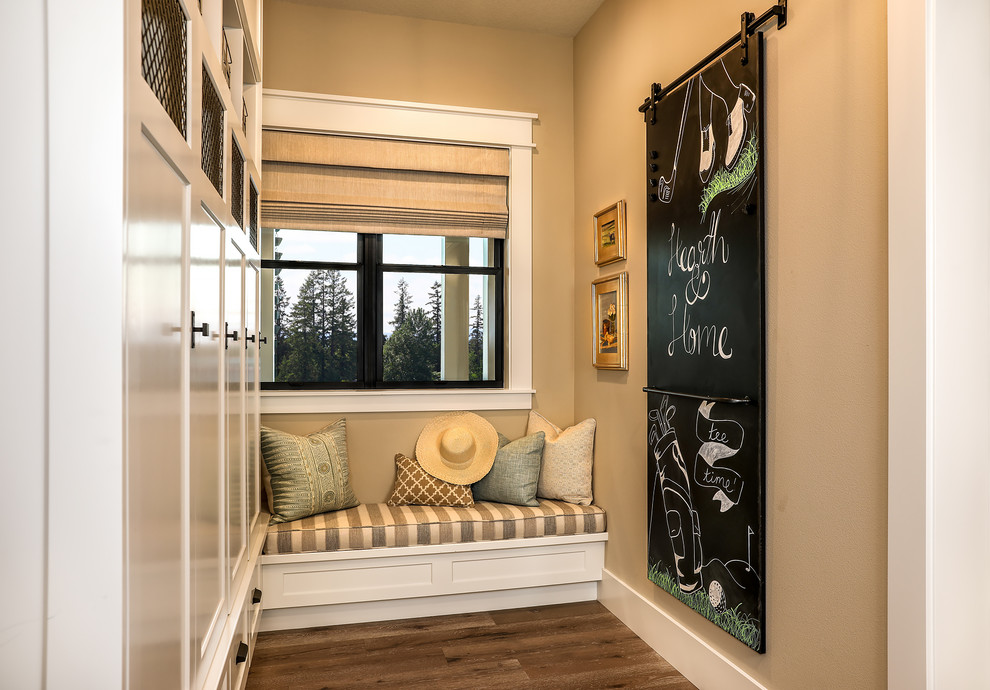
(377, 525)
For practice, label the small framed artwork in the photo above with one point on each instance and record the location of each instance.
(610, 315)
(610, 234)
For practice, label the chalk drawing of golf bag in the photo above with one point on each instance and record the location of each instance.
(683, 527)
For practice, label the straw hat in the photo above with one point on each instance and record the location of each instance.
(458, 447)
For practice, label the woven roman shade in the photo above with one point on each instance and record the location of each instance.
(356, 184)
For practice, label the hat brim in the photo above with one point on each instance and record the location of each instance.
(485, 440)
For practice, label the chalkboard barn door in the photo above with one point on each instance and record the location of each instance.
(706, 370)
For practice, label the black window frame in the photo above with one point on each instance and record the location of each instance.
(370, 300)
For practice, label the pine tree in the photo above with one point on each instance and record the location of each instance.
(305, 359)
(408, 354)
(403, 304)
(322, 339)
(341, 334)
(476, 342)
(435, 304)
(280, 328)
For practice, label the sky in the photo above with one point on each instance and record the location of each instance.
(303, 245)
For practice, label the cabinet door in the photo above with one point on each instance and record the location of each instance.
(207, 574)
(237, 539)
(154, 409)
(252, 392)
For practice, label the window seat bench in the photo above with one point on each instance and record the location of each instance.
(379, 562)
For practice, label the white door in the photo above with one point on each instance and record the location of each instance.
(207, 548)
(252, 388)
(234, 365)
(154, 409)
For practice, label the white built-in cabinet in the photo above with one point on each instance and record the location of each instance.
(191, 298)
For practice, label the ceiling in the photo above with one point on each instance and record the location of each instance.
(558, 17)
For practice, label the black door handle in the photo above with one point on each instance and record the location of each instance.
(228, 334)
(204, 329)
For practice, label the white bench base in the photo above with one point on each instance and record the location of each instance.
(315, 589)
(398, 609)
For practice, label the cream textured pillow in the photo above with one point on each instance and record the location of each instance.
(568, 455)
(415, 486)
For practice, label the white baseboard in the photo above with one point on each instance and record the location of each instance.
(394, 609)
(694, 658)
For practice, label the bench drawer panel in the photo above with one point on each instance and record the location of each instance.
(526, 568)
(343, 580)
(375, 578)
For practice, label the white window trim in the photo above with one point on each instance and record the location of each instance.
(311, 112)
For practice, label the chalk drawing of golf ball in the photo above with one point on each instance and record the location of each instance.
(716, 595)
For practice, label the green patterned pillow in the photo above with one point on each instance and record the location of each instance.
(309, 474)
(516, 472)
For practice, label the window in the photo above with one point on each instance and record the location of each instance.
(361, 310)
(489, 320)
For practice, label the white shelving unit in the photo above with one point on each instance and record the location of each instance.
(190, 363)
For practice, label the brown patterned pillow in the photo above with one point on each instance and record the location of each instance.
(414, 486)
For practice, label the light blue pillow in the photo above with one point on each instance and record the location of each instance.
(516, 472)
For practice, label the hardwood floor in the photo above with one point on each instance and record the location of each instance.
(578, 645)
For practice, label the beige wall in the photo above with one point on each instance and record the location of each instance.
(826, 278)
(347, 53)
(826, 322)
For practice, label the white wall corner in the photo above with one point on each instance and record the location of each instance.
(85, 283)
(909, 437)
(939, 300)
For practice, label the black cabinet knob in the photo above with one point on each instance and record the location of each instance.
(228, 334)
(256, 596)
(242, 653)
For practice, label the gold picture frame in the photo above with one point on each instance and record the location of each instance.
(610, 322)
(610, 234)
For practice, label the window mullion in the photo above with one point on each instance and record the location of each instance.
(362, 298)
(441, 269)
(499, 314)
(371, 330)
(309, 265)
(379, 310)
